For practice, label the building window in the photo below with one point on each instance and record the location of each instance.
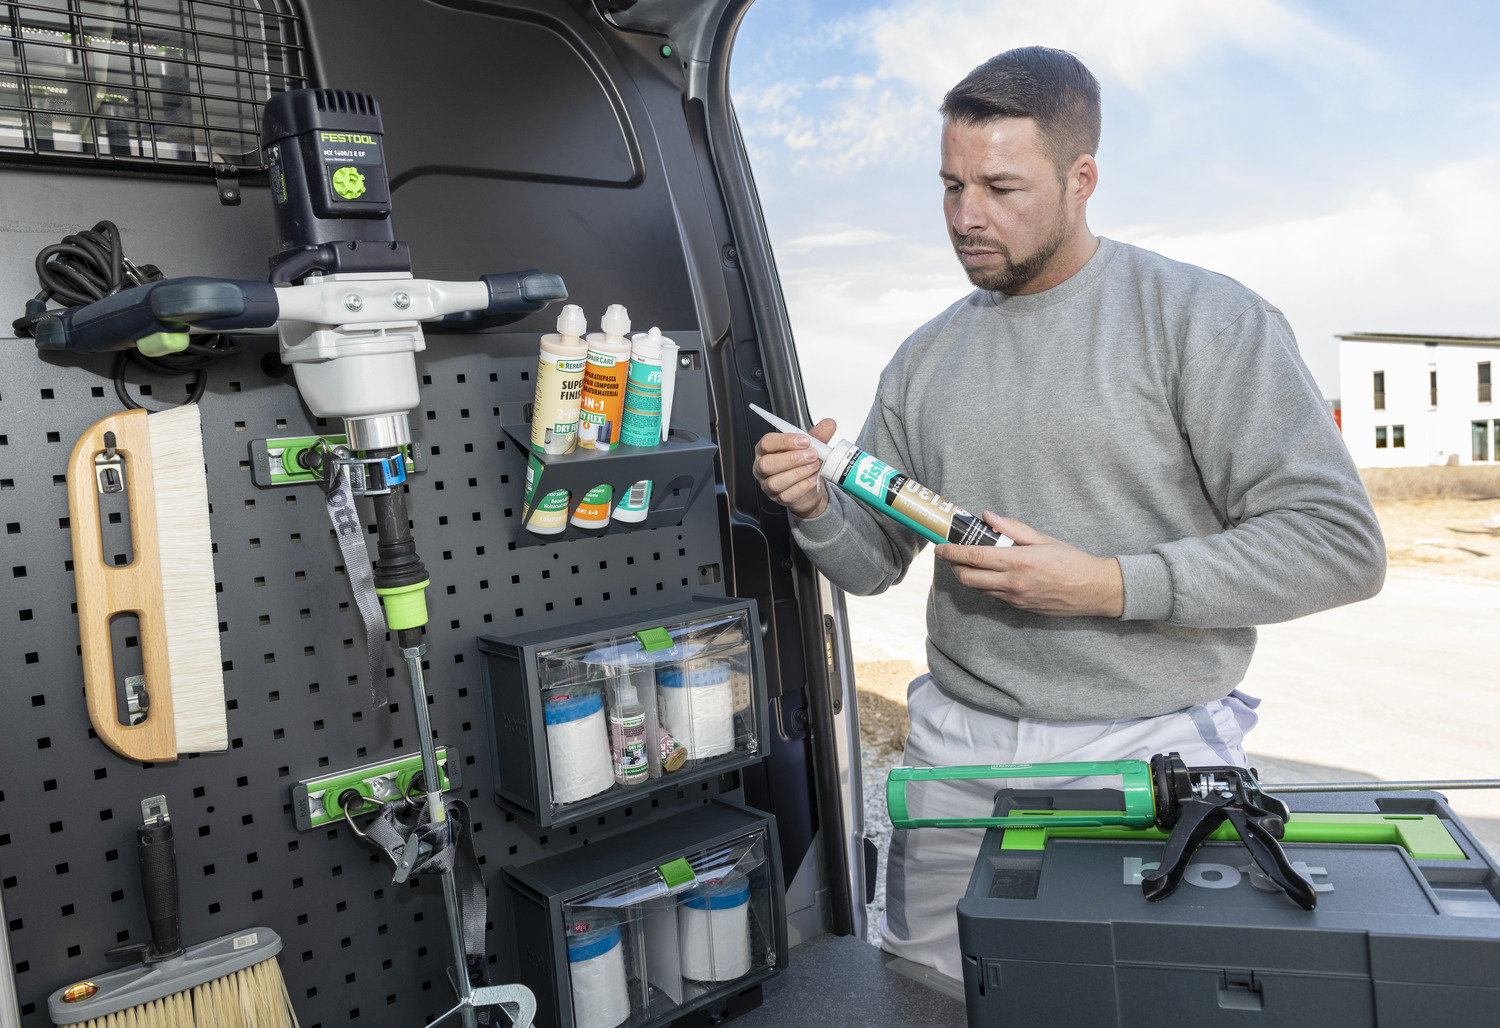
(1380, 390)
(1484, 381)
(1432, 388)
(1398, 436)
(1481, 440)
(1379, 437)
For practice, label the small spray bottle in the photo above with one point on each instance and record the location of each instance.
(627, 736)
(894, 493)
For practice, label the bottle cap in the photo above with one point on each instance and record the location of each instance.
(647, 344)
(616, 321)
(571, 321)
(625, 695)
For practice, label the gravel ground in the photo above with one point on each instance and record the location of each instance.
(882, 728)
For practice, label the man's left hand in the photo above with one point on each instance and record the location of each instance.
(1039, 573)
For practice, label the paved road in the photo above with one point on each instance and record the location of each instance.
(1402, 686)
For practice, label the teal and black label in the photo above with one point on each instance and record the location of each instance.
(898, 496)
(640, 425)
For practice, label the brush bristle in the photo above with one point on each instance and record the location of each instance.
(253, 998)
(187, 577)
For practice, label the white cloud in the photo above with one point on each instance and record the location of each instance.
(836, 237)
(861, 120)
(1129, 43)
(1419, 260)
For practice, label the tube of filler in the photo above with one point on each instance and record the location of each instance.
(894, 493)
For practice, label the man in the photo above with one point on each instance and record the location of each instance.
(1163, 459)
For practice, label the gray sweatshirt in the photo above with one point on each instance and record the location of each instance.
(1143, 409)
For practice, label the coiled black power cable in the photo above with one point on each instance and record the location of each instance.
(90, 265)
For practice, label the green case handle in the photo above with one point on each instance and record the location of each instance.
(1135, 775)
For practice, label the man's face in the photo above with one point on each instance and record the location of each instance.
(1003, 202)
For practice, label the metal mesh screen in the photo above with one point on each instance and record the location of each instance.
(163, 82)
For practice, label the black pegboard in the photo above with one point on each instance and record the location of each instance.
(355, 945)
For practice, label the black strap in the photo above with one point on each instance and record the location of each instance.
(418, 846)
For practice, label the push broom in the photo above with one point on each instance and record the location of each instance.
(156, 460)
(231, 982)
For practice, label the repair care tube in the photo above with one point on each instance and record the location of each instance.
(640, 424)
(603, 400)
(559, 384)
(554, 416)
(893, 493)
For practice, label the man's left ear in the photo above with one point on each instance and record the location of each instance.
(1083, 177)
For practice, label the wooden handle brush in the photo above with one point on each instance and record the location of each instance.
(168, 586)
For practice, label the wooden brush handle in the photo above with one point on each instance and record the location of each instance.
(104, 591)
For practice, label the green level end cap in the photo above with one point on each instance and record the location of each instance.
(405, 607)
(655, 638)
(349, 183)
(677, 872)
(160, 343)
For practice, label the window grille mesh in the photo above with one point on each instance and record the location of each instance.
(162, 82)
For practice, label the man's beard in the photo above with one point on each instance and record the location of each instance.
(1014, 274)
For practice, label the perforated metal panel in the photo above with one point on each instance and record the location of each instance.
(356, 946)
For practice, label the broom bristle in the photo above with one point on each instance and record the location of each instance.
(253, 998)
(187, 578)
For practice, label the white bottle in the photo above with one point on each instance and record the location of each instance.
(604, 380)
(641, 421)
(559, 384)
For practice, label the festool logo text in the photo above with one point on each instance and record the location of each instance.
(345, 137)
(1227, 876)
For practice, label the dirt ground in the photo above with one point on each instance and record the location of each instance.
(1440, 535)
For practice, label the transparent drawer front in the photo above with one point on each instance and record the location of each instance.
(647, 704)
(650, 942)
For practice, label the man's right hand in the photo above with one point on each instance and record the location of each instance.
(787, 469)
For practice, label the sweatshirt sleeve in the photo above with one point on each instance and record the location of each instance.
(861, 551)
(1299, 532)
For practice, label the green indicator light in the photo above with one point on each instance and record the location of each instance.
(349, 183)
(666, 49)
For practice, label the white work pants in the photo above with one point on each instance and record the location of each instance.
(928, 869)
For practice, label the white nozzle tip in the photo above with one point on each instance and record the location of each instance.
(822, 449)
(616, 320)
(571, 321)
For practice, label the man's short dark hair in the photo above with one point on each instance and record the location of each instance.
(1052, 87)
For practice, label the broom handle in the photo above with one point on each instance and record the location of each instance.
(158, 855)
(104, 591)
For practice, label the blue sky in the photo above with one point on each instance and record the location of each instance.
(1341, 158)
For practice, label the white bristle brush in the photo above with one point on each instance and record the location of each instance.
(169, 585)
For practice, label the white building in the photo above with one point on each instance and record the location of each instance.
(1413, 400)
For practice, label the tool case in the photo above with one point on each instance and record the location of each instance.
(1054, 928)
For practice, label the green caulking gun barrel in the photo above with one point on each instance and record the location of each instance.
(1185, 807)
(894, 493)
